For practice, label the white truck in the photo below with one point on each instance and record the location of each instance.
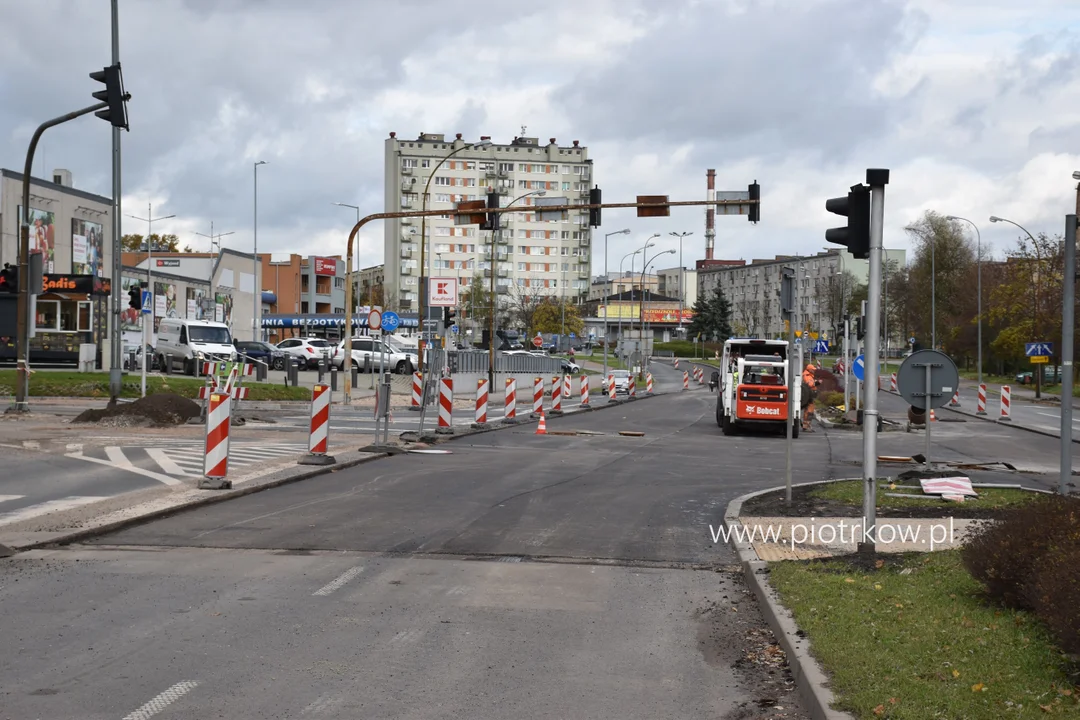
(752, 386)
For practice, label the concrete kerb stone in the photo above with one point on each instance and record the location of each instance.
(810, 679)
(994, 420)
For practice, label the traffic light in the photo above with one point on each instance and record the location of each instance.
(113, 94)
(755, 209)
(594, 213)
(860, 327)
(491, 220)
(448, 317)
(9, 279)
(135, 298)
(856, 207)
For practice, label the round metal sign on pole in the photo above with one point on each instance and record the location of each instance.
(374, 320)
(912, 384)
(390, 321)
(538, 341)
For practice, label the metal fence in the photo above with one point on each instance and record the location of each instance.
(477, 361)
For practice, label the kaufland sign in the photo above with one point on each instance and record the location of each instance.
(443, 292)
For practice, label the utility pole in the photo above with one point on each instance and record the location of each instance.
(149, 220)
(1068, 296)
(116, 377)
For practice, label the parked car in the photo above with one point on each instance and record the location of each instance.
(187, 342)
(263, 352)
(139, 358)
(369, 352)
(307, 350)
(570, 367)
(622, 381)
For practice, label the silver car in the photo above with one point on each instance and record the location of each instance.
(622, 381)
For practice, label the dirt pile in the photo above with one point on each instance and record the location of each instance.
(157, 410)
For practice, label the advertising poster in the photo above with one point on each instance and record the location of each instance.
(130, 318)
(42, 236)
(223, 303)
(195, 310)
(164, 302)
(86, 248)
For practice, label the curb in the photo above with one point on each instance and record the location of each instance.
(810, 679)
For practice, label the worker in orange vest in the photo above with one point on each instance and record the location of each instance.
(809, 390)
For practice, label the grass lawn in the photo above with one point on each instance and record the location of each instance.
(45, 383)
(850, 492)
(923, 644)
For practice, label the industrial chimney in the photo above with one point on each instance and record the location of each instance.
(710, 215)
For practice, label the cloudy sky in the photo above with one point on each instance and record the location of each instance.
(973, 105)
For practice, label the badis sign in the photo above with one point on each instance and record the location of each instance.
(443, 292)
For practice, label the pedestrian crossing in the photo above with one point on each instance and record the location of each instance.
(18, 514)
(169, 462)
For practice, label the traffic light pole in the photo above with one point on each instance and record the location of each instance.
(116, 378)
(877, 179)
(22, 384)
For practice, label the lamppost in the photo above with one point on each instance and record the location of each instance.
(256, 292)
(149, 220)
(1035, 292)
(423, 236)
(682, 277)
(607, 281)
(648, 244)
(978, 282)
(641, 305)
(631, 256)
(348, 270)
(214, 239)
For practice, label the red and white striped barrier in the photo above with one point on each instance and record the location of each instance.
(216, 450)
(980, 408)
(648, 383)
(685, 380)
(1006, 403)
(633, 386)
(955, 402)
(566, 388)
(319, 433)
(556, 394)
(510, 399)
(676, 363)
(610, 387)
(481, 401)
(892, 383)
(538, 396)
(238, 393)
(446, 405)
(417, 389)
(584, 386)
(700, 377)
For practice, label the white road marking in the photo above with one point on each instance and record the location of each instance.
(118, 453)
(162, 701)
(159, 456)
(31, 444)
(406, 636)
(340, 580)
(44, 508)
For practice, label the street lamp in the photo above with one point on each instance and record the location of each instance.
(256, 292)
(978, 283)
(648, 244)
(682, 276)
(1034, 289)
(641, 305)
(607, 281)
(149, 220)
(348, 271)
(631, 256)
(423, 234)
(214, 238)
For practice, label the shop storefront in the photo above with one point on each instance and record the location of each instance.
(72, 310)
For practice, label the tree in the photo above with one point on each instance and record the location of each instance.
(522, 305)
(550, 318)
(712, 317)
(749, 317)
(1027, 301)
(942, 252)
(160, 243)
(476, 302)
(381, 297)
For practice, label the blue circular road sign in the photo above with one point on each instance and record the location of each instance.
(390, 321)
(858, 368)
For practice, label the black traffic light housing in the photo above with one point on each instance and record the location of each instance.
(113, 94)
(594, 213)
(755, 207)
(135, 298)
(448, 316)
(9, 279)
(860, 327)
(491, 220)
(856, 235)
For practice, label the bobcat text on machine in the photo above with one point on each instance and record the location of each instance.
(753, 386)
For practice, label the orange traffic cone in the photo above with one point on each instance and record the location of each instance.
(933, 417)
(541, 427)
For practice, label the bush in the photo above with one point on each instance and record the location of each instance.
(687, 348)
(830, 398)
(1008, 556)
(1054, 592)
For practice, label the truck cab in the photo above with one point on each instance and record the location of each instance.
(753, 386)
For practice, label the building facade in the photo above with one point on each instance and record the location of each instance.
(548, 257)
(369, 285)
(69, 227)
(670, 280)
(615, 284)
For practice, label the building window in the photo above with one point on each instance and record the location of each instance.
(443, 181)
(408, 162)
(426, 162)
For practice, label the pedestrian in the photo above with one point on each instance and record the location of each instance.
(809, 392)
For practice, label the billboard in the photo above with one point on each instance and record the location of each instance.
(195, 309)
(129, 317)
(164, 302)
(87, 243)
(42, 236)
(223, 308)
(628, 311)
(325, 266)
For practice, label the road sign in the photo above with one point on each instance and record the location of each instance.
(147, 302)
(858, 368)
(1033, 349)
(821, 347)
(572, 336)
(911, 379)
(442, 292)
(454, 329)
(798, 341)
(538, 341)
(1039, 359)
(391, 321)
(911, 341)
(374, 320)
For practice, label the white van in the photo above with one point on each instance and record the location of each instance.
(192, 341)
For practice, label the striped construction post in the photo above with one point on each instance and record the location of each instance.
(685, 380)
(1006, 403)
(538, 397)
(700, 377)
(481, 402)
(566, 388)
(319, 434)
(417, 391)
(584, 386)
(676, 363)
(892, 383)
(955, 402)
(980, 408)
(510, 399)
(216, 451)
(648, 383)
(446, 406)
(611, 388)
(556, 394)
(633, 386)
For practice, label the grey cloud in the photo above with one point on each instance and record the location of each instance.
(1026, 73)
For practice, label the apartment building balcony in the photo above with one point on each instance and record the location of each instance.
(406, 254)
